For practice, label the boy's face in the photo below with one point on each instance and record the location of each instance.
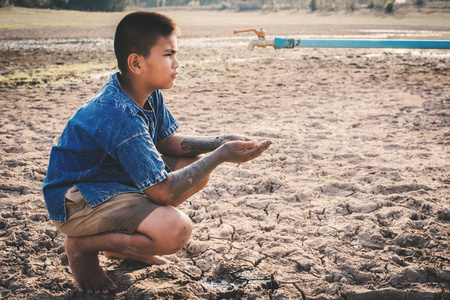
(160, 67)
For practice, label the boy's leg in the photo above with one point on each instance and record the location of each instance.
(164, 231)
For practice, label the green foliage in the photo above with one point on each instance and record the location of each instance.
(376, 4)
(161, 3)
(98, 5)
(329, 5)
(350, 5)
(4, 3)
(419, 3)
(89, 5)
(333, 5)
(33, 3)
(249, 5)
(387, 6)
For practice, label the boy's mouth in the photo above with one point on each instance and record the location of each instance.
(175, 75)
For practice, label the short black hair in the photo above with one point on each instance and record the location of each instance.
(138, 32)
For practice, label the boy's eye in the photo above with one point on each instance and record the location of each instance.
(170, 53)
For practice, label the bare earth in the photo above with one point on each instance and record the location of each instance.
(350, 202)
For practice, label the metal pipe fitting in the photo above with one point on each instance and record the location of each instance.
(260, 43)
(283, 43)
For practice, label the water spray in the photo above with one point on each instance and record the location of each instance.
(288, 43)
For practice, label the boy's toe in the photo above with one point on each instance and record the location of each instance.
(80, 287)
(89, 289)
(105, 290)
(98, 290)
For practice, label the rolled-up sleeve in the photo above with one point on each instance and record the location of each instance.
(140, 159)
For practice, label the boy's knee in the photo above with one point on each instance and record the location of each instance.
(178, 234)
(184, 230)
(168, 228)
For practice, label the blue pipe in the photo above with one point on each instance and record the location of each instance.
(281, 43)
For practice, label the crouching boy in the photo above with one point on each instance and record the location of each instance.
(120, 169)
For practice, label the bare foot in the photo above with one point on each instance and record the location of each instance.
(148, 259)
(86, 270)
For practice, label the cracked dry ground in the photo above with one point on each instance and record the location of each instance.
(351, 201)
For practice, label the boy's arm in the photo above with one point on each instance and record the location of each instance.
(180, 145)
(181, 181)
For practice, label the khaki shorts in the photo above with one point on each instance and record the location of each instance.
(121, 213)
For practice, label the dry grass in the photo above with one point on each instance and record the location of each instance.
(17, 17)
(56, 75)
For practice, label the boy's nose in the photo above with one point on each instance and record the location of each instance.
(175, 64)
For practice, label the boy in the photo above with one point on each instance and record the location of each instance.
(120, 169)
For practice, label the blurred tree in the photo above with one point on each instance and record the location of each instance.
(350, 5)
(389, 6)
(98, 5)
(32, 3)
(4, 3)
(419, 3)
(377, 4)
(315, 5)
(90, 5)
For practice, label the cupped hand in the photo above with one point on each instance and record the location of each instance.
(240, 151)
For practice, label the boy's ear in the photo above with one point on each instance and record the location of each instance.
(134, 63)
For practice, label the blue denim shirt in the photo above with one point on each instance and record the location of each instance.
(108, 148)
